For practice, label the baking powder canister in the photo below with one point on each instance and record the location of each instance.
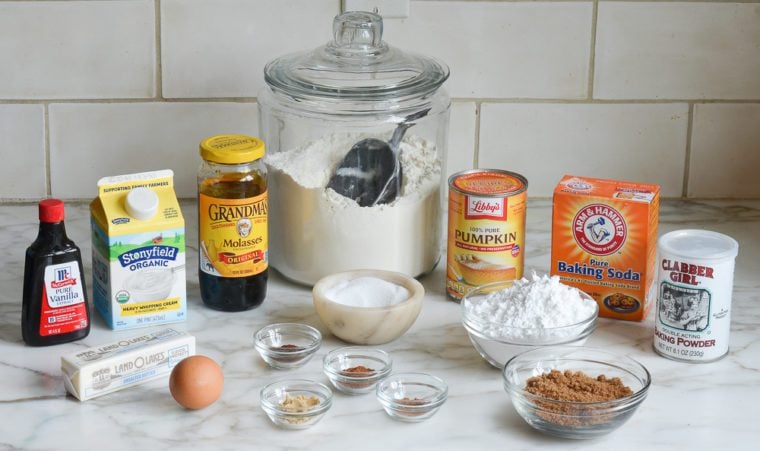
(486, 236)
(695, 280)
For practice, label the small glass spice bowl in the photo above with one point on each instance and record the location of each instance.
(355, 370)
(282, 402)
(497, 343)
(412, 397)
(571, 419)
(287, 345)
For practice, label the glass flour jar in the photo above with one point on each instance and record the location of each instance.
(356, 132)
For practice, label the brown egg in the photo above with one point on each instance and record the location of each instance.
(196, 382)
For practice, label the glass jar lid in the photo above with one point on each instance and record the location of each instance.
(356, 65)
(231, 149)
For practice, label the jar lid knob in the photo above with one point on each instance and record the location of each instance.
(358, 30)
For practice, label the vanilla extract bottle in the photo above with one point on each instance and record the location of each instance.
(55, 307)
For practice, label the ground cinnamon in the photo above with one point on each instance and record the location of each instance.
(287, 348)
(575, 387)
(358, 371)
(411, 402)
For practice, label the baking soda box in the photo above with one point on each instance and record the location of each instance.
(604, 236)
(138, 251)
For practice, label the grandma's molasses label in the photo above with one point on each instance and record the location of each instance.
(233, 235)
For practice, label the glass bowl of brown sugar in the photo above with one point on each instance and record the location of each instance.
(356, 370)
(575, 392)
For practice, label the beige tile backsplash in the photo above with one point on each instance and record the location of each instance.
(503, 49)
(651, 91)
(725, 151)
(77, 50)
(678, 51)
(22, 140)
(639, 142)
(218, 48)
(90, 141)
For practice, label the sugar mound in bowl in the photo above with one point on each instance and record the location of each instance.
(506, 318)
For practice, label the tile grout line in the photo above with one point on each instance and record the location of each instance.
(494, 100)
(492, 1)
(133, 100)
(159, 94)
(687, 157)
(476, 150)
(46, 150)
(592, 51)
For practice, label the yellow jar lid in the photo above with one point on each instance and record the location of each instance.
(232, 149)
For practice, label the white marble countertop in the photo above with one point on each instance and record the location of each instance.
(689, 405)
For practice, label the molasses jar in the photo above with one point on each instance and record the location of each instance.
(232, 223)
(356, 134)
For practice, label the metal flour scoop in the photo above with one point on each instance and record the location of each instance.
(370, 173)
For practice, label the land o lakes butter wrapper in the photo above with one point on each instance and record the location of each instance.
(111, 367)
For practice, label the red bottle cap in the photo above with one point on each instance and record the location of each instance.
(51, 210)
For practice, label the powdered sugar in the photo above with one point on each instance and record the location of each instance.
(530, 308)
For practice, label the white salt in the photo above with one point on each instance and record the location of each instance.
(367, 292)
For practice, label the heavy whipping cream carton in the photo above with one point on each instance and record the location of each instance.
(604, 235)
(138, 251)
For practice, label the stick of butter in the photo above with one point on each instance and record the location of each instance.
(124, 363)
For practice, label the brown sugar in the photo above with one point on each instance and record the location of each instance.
(575, 387)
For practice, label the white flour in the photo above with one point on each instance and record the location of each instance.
(532, 306)
(316, 231)
(367, 292)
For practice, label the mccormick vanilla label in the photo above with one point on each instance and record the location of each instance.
(63, 305)
(604, 236)
(486, 235)
(694, 295)
(138, 265)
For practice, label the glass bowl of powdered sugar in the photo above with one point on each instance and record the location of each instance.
(504, 319)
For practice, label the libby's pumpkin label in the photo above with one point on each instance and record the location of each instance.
(486, 229)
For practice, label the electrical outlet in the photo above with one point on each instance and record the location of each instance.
(398, 9)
